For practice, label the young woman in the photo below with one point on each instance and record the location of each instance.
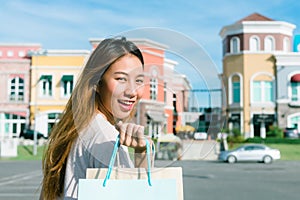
(99, 110)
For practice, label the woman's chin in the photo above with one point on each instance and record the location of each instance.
(122, 116)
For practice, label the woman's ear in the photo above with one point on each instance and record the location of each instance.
(96, 88)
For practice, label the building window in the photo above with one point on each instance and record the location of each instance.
(254, 44)
(46, 85)
(67, 85)
(16, 89)
(295, 87)
(295, 91)
(235, 89)
(236, 92)
(269, 44)
(294, 122)
(21, 54)
(10, 54)
(263, 91)
(53, 118)
(153, 89)
(11, 124)
(235, 45)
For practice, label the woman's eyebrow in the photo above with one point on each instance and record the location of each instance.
(123, 73)
(126, 74)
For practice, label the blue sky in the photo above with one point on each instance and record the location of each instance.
(66, 24)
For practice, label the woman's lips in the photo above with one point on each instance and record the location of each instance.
(126, 105)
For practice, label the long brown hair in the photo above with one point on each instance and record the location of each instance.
(79, 111)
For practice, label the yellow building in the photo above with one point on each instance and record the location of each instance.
(249, 74)
(53, 77)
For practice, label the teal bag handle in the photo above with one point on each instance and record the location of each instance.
(113, 158)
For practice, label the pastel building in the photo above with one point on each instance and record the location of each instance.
(53, 77)
(261, 75)
(15, 87)
(288, 87)
(50, 76)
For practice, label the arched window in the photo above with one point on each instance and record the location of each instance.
(236, 89)
(295, 87)
(269, 44)
(235, 45)
(286, 44)
(16, 89)
(254, 43)
(263, 89)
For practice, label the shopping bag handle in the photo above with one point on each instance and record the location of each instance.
(113, 158)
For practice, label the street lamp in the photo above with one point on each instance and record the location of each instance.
(36, 53)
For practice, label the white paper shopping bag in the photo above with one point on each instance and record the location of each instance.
(131, 183)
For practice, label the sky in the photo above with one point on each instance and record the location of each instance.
(66, 24)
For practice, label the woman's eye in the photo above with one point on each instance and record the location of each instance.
(140, 81)
(121, 79)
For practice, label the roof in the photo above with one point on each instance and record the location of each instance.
(254, 17)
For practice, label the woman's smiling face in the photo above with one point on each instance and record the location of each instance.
(122, 86)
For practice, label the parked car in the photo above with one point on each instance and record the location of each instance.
(250, 152)
(291, 133)
(200, 136)
(29, 134)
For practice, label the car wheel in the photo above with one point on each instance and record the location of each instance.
(267, 159)
(231, 159)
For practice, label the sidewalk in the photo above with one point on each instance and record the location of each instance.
(200, 150)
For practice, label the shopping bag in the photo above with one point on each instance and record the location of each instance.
(132, 183)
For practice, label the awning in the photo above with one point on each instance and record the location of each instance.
(169, 138)
(16, 75)
(185, 128)
(67, 78)
(46, 77)
(156, 116)
(19, 113)
(295, 78)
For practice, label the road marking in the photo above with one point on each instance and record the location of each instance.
(18, 195)
(18, 177)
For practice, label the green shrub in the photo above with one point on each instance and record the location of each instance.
(272, 140)
(235, 139)
(255, 140)
(275, 132)
(236, 132)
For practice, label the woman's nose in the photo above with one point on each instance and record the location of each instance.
(131, 90)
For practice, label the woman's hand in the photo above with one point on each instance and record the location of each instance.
(132, 135)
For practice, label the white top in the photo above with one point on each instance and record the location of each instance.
(92, 149)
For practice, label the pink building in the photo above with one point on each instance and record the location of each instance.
(15, 87)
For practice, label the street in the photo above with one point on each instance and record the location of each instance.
(201, 180)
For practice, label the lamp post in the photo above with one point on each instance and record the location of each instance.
(36, 53)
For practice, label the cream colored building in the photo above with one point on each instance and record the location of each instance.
(249, 74)
(53, 76)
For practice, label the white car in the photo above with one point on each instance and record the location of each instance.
(200, 136)
(250, 152)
